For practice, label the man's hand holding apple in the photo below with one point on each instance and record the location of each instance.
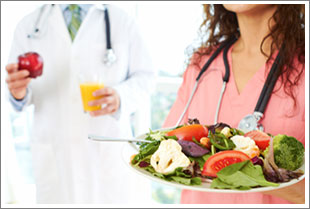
(30, 65)
(17, 81)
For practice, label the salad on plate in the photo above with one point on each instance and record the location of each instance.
(225, 157)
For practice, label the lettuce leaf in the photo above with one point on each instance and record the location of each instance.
(241, 176)
(146, 151)
(200, 160)
(178, 176)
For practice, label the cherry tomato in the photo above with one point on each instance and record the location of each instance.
(220, 160)
(261, 139)
(189, 131)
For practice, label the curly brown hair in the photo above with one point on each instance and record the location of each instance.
(219, 24)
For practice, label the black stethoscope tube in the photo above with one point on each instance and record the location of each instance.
(269, 85)
(226, 43)
(227, 69)
(107, 31)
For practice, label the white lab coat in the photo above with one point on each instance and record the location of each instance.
(68, 167)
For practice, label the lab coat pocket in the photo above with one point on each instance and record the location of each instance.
(45, 172)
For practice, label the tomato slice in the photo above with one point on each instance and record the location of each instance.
(261, 139)
(220, 160)
(189, 131)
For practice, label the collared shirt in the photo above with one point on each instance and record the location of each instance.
(67, 14)
(19, 104)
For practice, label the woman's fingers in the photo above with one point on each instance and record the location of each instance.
(294, 193)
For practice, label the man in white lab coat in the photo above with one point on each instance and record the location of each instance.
(68, 167)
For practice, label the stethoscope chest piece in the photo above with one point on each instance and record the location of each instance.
(109, 57)
(251, 122)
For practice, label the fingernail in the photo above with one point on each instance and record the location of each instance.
(94, 93)
(90, 103)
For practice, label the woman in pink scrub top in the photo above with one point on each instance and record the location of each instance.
(261, 30)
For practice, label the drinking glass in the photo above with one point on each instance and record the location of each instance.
(90, 82)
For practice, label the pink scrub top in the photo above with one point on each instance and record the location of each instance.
(281, 117)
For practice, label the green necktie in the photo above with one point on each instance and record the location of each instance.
(75, 20)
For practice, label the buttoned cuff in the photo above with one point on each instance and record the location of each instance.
(20, 104)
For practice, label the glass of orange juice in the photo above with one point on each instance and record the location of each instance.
(89, 84)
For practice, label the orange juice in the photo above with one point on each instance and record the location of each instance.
(87, 90)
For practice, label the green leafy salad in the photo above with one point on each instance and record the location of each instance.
(223, 156)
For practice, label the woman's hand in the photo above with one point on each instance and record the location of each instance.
(110, 98)
(294, 193)
(17, 81)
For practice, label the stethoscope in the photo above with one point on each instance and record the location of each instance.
(249, 122)
(109, 56)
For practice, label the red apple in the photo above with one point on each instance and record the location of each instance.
(32, 62)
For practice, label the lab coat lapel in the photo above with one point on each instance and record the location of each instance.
(58, 22)
(84, 22)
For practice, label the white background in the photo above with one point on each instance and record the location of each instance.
(12, 12)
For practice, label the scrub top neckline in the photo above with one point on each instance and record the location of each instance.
(258, 75)
(257, 81)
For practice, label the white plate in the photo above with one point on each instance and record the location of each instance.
(130, 148)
